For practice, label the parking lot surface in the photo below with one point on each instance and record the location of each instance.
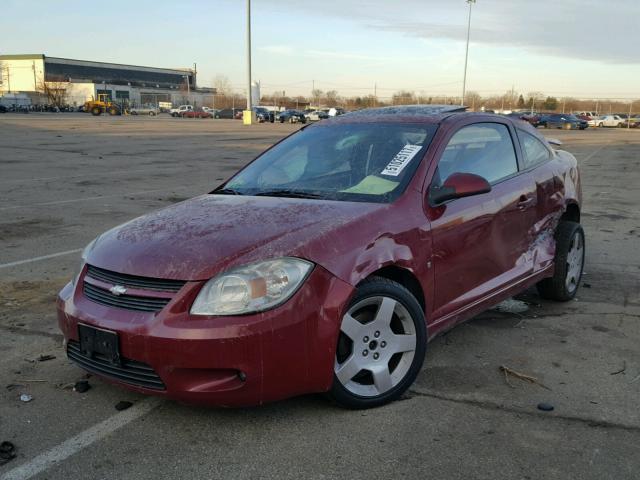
(65, 178)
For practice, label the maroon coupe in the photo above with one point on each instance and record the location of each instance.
(329, 262)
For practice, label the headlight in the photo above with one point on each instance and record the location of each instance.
(251, 288)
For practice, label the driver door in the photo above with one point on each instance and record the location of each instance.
(479, 241)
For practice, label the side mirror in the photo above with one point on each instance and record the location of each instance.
(459, 185)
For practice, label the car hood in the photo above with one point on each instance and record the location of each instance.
(198, 238)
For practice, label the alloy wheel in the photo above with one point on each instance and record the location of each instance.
(575, 260)
(376, 347)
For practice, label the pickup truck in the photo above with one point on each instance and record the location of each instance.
(177, 112)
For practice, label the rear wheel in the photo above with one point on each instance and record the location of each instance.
(381, 345)
(569, 263)
(95, 111)
(601, 125)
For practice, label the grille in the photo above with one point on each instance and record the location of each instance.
(128, 302)
(133, 281)
(131, 372)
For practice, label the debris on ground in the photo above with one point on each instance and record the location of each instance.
(521, 376)
(545, 407)
(624, 367)
(44, 358)
(7, 452)
(586, 285)
(123, 405)
(511, 305)
(66, 386)
(81, 386)
(25, 397)
(13, 386)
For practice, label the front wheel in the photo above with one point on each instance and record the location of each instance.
(95, 111)
(381, 345)
(568, 264)
(601, 125)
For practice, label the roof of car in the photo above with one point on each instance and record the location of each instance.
(402, 113)
(419, 110)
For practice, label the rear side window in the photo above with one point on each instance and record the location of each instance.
(534, 150)
(485, 149)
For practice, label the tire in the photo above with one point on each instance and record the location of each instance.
(134, 113)
(567, 126)
(96, 111)
(381, 345)
(601, 125)
(113, 111)
(152, 114)
(568, 262)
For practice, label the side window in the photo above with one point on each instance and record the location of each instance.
(485, 149)
(534, 150)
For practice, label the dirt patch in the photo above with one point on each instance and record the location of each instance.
(28, 228)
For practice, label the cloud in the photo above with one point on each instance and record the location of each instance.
(572, 29)
(277, 49)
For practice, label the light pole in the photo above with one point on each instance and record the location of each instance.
(249, 103)
(466, 55)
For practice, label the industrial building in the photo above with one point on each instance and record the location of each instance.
(32, 76)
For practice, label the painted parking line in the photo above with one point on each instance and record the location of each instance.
(37, 259)
(70, 447)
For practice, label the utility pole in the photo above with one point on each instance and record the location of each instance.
(35, 83)
(375, 94)
(629, 119)
(249, 102)
(466, 55)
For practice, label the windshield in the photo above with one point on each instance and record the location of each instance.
(352, 162)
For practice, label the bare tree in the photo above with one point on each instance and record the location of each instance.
(222, 84)
(403, 97)
(332, 98)
(56, 92)
(473, 100)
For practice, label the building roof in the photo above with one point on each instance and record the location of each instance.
(26, 56)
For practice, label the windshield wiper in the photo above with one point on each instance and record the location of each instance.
(287, 193)
(226, 191)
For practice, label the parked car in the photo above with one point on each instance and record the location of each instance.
(3, 109)
(264, 115)
(210, 110)
(229, 113)
(328, 263)
(177, 112)
(609, 121)
(292, 116)
(315, 115)
(146, 110)
(531, 118)
(199, 113)
(590, 114)
(633, 122)
(562, 120)
(335, 111)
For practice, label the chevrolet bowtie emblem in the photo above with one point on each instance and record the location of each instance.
(118, 290)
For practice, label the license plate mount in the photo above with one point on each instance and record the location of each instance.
(99, 343)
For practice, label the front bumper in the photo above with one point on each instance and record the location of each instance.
(225, 361)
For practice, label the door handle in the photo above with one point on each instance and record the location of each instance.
(524, 202)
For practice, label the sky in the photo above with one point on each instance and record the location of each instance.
(579, 48)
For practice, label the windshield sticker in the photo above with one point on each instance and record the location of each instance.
(401, 160)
